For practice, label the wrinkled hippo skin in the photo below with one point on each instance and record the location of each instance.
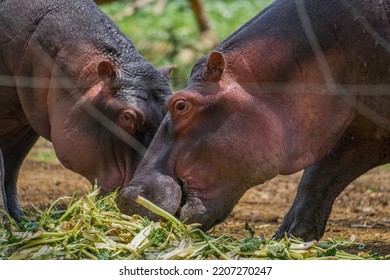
(303, 85)
(68, 74)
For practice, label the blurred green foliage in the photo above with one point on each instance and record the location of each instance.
(170, 36)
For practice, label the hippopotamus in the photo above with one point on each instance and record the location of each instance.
(68, 74)
(301, 86)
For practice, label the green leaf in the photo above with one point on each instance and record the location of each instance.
(249, 244)
(27, 225)
(331, 252)
(103, 254)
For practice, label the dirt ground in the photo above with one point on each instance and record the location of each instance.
(362, 210)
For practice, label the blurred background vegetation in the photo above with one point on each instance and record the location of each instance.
(166, 32)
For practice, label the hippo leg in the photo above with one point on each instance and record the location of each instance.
(13, 160)
(322, 182)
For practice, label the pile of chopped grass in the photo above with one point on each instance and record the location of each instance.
(94, 228)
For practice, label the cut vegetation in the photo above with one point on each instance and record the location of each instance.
(92, 228)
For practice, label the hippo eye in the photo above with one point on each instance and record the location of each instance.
(180, 105)
(126, 118)
(180, 109)
(130, 121)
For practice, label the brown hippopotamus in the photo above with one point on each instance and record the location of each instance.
(303, 85)
(68, 74)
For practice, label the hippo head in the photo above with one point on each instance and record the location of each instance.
(207, 152)
(101, 129)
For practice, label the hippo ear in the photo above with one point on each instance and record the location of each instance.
(214, 67)
(166, 71)
(106, 72)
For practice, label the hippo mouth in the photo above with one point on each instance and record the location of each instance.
(184, 195)
(179, 198)
(194, 210)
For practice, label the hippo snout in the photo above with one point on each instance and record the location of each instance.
(160, 189)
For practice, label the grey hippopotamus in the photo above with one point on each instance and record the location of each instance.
(302, 85)
(68, 74)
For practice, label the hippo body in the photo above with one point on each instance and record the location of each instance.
(68, 74)
(303, 85)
